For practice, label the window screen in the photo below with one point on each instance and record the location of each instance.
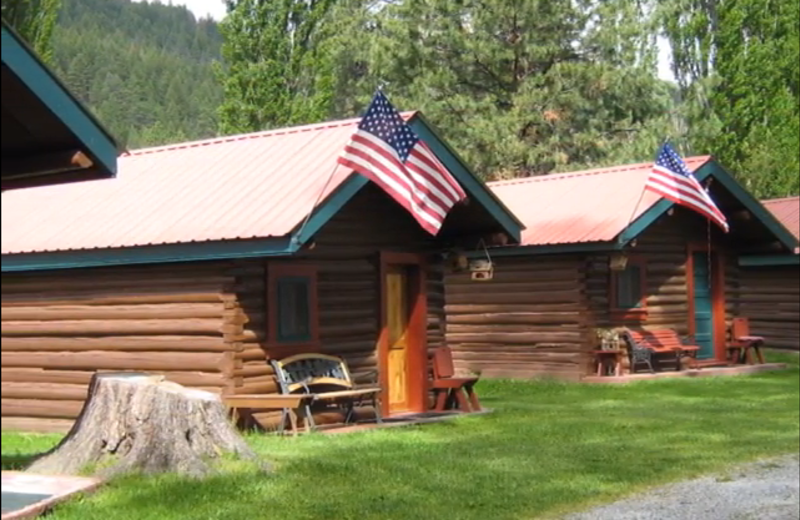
(293, 306)
(630, 292)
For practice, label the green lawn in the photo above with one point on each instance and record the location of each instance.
(548, 448)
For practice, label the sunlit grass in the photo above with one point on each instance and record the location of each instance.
(548, 447)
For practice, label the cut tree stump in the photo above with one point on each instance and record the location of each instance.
(134, 422)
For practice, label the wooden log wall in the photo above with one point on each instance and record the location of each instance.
(346, 254)
(59, 328)
(202, 325)
(530, 320)
(770, 297)
(664, 246)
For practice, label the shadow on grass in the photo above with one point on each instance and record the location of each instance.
(18, 461)
(549, 447)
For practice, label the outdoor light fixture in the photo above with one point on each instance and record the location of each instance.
(481, 270)
(618, 262)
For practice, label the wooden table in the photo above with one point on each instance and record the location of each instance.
(295, 406)
(607, 360)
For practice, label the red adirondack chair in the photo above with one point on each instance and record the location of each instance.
(742, 344)
(449, 391)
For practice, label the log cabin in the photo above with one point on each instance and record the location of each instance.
(771, 284)
(48, 136)
(598, 252)
(201, 261)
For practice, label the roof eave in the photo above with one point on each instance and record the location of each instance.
(474, 187)
(769, 260)
(156, 254)
(714, 169)
(549, 249)
(711, 168)
(95, 140)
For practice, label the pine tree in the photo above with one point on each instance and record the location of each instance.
(35, 21)
(525, 87)
(273, 58)
(144, 68)
(738, 65)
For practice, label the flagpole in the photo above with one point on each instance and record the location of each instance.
(296, 237)
(644, 188)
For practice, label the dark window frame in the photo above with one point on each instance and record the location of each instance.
(638, 311)
(278, 273)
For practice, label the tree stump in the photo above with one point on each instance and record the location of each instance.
(138, 422)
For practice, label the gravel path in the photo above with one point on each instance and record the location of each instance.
(766, 490)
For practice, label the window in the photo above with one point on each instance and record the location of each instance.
(292, 304)
(294, 316)
(629, 289)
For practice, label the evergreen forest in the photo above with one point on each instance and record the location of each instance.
(519, 87)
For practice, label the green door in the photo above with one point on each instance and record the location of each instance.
(703, 309)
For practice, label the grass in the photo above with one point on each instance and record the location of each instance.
(548, 448)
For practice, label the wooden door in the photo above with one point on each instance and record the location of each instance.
(403, 346)
(397, 321)
(703, 306)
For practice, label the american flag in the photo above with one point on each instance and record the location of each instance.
(387, 151)
(671, 178)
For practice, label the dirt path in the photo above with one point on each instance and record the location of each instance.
(766, 490)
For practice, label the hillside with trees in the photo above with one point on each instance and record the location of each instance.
(146, 70)
(533, 87)
(518, 87)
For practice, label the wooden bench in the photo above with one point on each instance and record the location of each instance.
(327, 378)
(449, 390)
(295, 405)
(644, 343)
(742, 344)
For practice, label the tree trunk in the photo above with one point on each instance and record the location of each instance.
(140, 422)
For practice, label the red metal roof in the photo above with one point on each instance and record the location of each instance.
(787, 211)
(248, 186)
(578, 207)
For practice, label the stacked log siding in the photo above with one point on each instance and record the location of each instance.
(202, 325)
(529, 320)
(769, 297)
(538, 316)
(346, 253)
(59, 328)
(664, 246)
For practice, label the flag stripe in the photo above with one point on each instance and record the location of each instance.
(387, 151)
(424, 154)
(369, 144)
(691, 194)
(428, 222)
(690, 183)
(671, 179)
(685, 199)
(388, 174)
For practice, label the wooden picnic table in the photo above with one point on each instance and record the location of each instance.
(295, 405)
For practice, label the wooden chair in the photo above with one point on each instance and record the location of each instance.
(742, 344)
(449, 390)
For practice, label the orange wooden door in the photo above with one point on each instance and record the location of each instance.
(397, 319)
